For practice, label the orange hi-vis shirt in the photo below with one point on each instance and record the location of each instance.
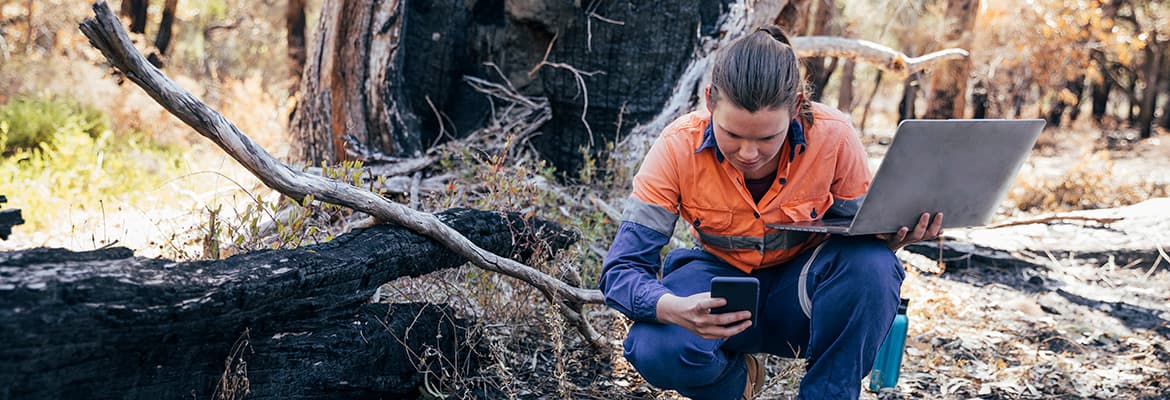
(822, 170)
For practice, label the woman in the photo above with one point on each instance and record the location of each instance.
(760, 154)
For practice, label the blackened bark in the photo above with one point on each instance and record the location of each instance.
(136, 11)
(819, 73)
(278, 324)
(637, 62)
(1152, 67)
(1100, 93)
(845, 94)
(388, 73)
(8, 219)
(909, 95)
(294, 22)
(979, 100)
(163, 40)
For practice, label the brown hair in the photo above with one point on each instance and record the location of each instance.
(760, 71)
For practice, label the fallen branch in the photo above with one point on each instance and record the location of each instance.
(1055, 218)
(105, 33)
(883, 57)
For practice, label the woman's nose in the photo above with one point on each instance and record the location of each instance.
(748, 151)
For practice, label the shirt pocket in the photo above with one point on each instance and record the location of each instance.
(708, 219)
(809, 209)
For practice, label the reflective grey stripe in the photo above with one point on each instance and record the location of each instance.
(802, 283)
(778, 240)
(649, 215)
(845, 208)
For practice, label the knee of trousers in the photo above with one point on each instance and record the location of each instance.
(670, 357)
(865, 265)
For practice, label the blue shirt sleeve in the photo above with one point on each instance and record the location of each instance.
(629, 276)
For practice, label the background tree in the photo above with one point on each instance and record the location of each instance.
(948, 83)
(295, 39)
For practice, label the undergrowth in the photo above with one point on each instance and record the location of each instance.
(59, 159)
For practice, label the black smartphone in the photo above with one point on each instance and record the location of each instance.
(742, 294)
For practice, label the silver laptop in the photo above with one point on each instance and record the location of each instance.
(961, 168)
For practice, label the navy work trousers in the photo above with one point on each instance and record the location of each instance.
(851, 291)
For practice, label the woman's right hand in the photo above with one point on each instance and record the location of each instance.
(694, 314)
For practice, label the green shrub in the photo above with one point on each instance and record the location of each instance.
(28, 122)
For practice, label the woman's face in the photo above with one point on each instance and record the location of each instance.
(750, 141)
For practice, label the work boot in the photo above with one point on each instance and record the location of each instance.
(755, 377)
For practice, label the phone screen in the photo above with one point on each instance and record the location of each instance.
(742, 294)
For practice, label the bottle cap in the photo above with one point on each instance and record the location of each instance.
(902, 305)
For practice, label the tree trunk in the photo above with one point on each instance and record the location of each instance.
(909, 95)
(1100, 93)
(948, 85)
(845, 94)
(816, 71)
(635, 65)
(1152, 67)
(877, 84)
(136, 11)
(979, 100)
(793, 17)
(294, 18)
(1165, 122)
(372, 101)
(163, 40)
(269, 324)
(1077, 88)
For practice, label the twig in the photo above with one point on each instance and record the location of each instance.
(1161, 256)
(105, 32)
(577, 76)
(415, 182)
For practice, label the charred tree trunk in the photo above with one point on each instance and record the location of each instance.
(270, 324)
(845, 94)
(294, 22)
(948, 85)
(1152, 68)
(382, 72)
(877, 84)
(979, 100)
(1165, 122)
(816, 69)
(1100, 93)
(635, 53)
(1068, 99)
(136, 11)
(163, 40)
(909, 96)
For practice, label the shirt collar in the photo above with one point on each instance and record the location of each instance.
(795, 138)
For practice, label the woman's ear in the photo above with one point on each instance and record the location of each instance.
(710, 101)
(798, 104)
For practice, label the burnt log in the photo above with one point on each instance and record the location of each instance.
(8, 219)
(268, 324)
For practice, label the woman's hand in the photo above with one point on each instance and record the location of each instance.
(925, 230)
(694, 313)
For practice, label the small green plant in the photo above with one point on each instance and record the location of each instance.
(81, 170)
(29, 122)
(287, 223)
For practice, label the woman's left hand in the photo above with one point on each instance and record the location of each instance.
(925, 230)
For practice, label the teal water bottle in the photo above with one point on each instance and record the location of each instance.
(889, 355)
